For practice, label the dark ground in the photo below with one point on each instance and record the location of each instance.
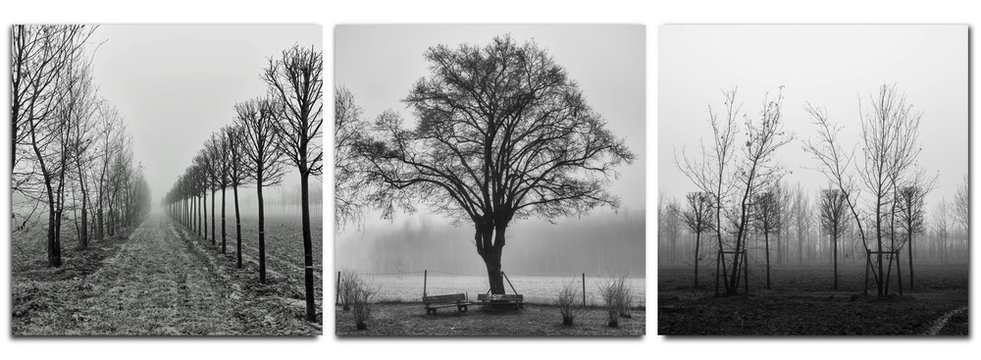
(802, 302)
(410, 319)
(155, 280)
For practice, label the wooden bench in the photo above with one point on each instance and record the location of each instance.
(514, 300)
(440, 301)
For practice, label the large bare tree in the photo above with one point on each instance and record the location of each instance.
(502, 134)
(295, 78)
(889, 147)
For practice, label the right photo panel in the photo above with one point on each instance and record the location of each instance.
(813, 180)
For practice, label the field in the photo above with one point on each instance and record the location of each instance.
(410, 319)
(802, 302)
(159, 279)
(536, 289)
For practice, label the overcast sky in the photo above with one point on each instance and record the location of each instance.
(176, 84)
(827, 65)
(380, 63)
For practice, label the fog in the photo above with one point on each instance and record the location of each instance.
(379, 65)
(176, 84)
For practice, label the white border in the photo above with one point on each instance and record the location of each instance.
(328, 14)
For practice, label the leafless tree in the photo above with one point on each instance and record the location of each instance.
(296, 79)
(712, 173)
(911, 212)
(263, 158)
(889, 148)
(238, 175)
(503, 134)
(698, 218)
(767, 219)
(941, 220)
(349, 187)
(834, 212)
(962, 205)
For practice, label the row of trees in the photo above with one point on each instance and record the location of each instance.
(271, 135)
(877, 193)
(71, 156)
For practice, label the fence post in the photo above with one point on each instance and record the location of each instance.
(425, 278)
(583, 289)
(337, 290)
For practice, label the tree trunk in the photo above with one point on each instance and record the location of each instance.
(223, 219)
(698, 237)
(204, 217)
(909, 243)
(213, 238)
(491, 254)
(262, 231)
(238, 228)
(766, 245)
(834, 256)
(311, 313)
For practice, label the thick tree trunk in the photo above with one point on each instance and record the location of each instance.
(238, 229)
(491, 254)
(311, 313)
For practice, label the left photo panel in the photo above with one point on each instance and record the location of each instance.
(166, 180)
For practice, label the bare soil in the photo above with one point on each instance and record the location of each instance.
(802, 302)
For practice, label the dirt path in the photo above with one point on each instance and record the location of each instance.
(942, 321)
(163, 283)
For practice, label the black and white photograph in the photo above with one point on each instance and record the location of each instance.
(166, 180)
(489, 180)
(813, 180)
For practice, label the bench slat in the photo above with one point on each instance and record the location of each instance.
(501, 297)
(437, 299)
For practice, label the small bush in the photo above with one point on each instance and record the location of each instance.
(346, 286)
(617, 297)
(362, 300)
(566, 301)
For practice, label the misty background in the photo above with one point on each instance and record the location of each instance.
(830, 66)
(380, 63)
(177, 84)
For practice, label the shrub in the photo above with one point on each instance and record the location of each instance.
(346, 286)
(363, 295)
(566, 302)
(617, 297)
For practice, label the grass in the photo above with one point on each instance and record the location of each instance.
(410, 319)
(802, 302)
(157, 282)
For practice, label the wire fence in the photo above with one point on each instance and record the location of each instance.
(538, 289)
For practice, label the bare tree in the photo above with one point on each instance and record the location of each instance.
(257, 118)
(889, 147)
(758, 170)
(962, 205)
(941, 219)
(698, 218)
(296, 79)
(349, 130)
(503, 134)
(712, 173)
(238, 175)
(767, 218)
(910, 212)
(834, 211)
(216, 148)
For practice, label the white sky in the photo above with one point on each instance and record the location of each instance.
(380, 63)
(826, 65)
(176, 84)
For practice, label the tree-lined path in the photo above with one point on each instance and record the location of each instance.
(162, 281)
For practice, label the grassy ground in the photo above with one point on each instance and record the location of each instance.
(410, 319)
(157, 281)
(802, 302)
